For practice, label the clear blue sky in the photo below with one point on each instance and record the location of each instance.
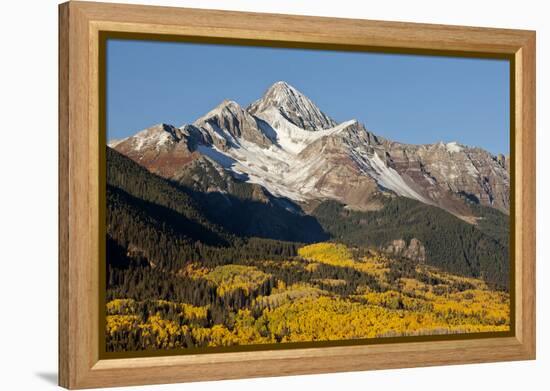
(412, 99)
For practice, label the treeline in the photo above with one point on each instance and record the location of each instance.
(245, 209)
(126, 175)
(168, 240)
(493, 223)
(238, 209)
(451, 244)
(154, 220)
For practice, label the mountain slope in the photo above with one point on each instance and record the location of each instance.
(450, 243)
(206, 204)
(246, 209)
(208, 213)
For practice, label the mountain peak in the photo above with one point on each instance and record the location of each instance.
(153, 137)
(454, 147)
(294, 106)
(282, 85)
(226, 108)
(229, 103)
(228, 122)
(159, 129)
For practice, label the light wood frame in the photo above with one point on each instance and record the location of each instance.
(79, 26)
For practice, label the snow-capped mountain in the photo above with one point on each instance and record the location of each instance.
(284, 143)
(294, 106)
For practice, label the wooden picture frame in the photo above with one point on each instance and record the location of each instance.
(80, 165)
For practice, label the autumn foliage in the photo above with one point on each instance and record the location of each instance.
(265, 305)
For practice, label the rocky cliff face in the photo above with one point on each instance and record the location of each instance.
(445, 171)
(414, 250)
(228, 123)
(283, 143)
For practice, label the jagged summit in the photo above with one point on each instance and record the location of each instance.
(152, 137)
(229, 122)
(294, 106)
(158, 128)
(454, 147)
(226, 106)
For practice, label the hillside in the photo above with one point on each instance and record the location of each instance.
(162, 223)
(450, 243)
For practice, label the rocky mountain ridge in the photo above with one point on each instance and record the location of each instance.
(285, 144)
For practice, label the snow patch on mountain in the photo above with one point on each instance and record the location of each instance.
(292, 138)
(390, 179)
(114, 142)
(162, 139)
(217, 156)
(281, 172)
(385, 176)
(155, 136)
(454, 147)
(279, 168)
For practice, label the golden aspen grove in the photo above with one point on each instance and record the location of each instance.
(392, 301)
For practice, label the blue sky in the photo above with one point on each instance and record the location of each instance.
(412, 99)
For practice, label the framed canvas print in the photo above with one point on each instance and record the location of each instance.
(247, 195)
